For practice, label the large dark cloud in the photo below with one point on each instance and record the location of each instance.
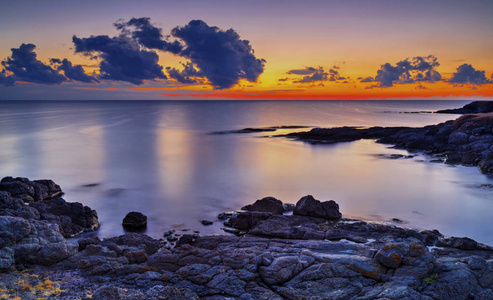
(24, 66)
(468, 74)
(73, 72)
(222, 56)
(121, 58)
(148, 35)
(318, 75)
(409, 71)
(189, 74)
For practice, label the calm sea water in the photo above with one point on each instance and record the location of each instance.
(159, 158)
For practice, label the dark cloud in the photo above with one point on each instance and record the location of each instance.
(283, 79)
(334, 75)
(5, 79)
(189, 74)
(318, 75)
(305, 71)
(24, 66)
(468, 74)
(220, 55)
(409, 71)
(121, 58)
(367, 79)
(148, 35)
(73, 72)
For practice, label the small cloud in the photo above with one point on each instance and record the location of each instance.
(305, 71)
(283, 79)
(420, 87)
(467, 74)
(367, 79)
(318, 75)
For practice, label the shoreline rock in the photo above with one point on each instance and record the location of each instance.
(475, 107)
(280, 256)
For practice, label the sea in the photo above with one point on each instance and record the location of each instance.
(161, 158)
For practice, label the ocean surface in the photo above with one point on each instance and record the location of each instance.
(159, 158)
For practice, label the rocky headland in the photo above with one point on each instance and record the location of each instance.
(280, 251)
(468, 140)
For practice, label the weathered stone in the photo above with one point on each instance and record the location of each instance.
(267, 204)
(308, 206)
(160, 292)
(390, 256)
(135, 220)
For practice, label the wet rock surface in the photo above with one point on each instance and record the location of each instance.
(134, 220)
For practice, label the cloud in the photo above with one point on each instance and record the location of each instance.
(121, 58)
(467, 74)
(334, 75)
(188, 75)
(305, 71)
(318, 75)
(148, 35)
(283, 79)
(73, 72)
(367, 79)
(6, 79)
(220, 55)
(409, 71)
(24, 66)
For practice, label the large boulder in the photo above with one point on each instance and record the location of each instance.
(309, 206)
(267, 204)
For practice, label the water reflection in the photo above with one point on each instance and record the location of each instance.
(158, 158)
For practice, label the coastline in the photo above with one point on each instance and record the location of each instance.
(310, 253)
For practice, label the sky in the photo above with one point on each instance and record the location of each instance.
(249, 49)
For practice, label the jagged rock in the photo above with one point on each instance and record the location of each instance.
(84, 242)
(309, 206)
(135, 220)
(73, 218)
(116, 293)
(247, 220)
(267, 204)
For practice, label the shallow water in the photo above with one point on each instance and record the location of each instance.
(159, 158)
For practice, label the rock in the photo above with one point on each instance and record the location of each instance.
(185, 239)
(84, 242)
(159, 292)
(267, 204)
(283, 269)
(13, 230)
(390, 256)
(73, 218)
(459, 243)
(6, 258)
(135, 220)
(9, 202)
(309, 206)
(290, 227)
(116, 293)
(471, 108)
(28, 212)
(247, 220)
(52, 253)
(458, 138)
(138, 240)
(206, 222)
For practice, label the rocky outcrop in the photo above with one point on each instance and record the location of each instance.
(468, 140)
(475, 107)
(34, 222)
(40, 200)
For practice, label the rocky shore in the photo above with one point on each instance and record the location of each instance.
(281, 251)
(468, 140)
